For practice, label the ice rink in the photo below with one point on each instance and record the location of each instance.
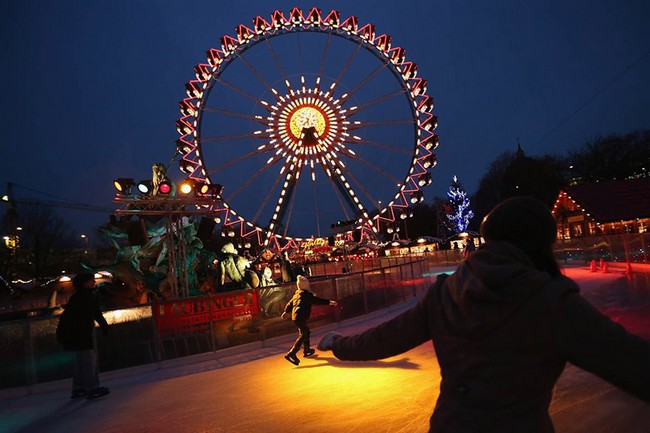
(253, 389)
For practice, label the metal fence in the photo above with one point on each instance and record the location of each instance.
(32, 355)
(611, 248)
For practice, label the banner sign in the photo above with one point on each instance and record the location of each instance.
(194, 314)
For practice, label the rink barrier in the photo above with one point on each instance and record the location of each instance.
(140, 335)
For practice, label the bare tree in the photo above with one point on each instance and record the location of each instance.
(45, 243)
(614, 157)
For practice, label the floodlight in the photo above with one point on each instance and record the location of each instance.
(215, 190)
(145, 187)
(165, 187)
(123, 185)
(186, 187)
(202, 188)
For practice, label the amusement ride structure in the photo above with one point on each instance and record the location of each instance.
(298, 128)
(306, 99)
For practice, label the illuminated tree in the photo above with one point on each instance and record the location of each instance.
(459, 212)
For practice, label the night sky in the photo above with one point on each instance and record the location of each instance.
(90, 89)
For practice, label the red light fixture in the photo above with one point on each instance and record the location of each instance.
(165, 187)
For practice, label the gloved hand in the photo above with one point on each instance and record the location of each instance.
(327, 342)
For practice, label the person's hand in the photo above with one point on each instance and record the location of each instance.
(284, 315)
(327, 342)
(332, 302)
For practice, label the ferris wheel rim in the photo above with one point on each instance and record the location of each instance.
(365, 38)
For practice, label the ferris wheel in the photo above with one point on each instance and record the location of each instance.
(309, 122)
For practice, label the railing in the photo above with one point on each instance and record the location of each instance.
(627, 247)
(137, 336)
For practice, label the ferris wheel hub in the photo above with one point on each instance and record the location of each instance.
(304, 117)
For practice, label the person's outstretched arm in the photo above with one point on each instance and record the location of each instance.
(398, 335)
(593, 342)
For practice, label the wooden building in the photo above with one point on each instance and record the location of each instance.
(603, 208)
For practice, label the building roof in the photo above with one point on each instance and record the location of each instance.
(620, 200)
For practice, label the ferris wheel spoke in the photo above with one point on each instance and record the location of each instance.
(330, 164)
(361, 125)
(360, 186)
(380, 99)
(300, 54)
(229, 137)
(376, 169)
(234, 161)
(344, 201)
(254, 71)
(232, 114)
(365, 81)
(275, 58)
(258, 213)
(384, 146)
(251, 179)
(348, 64)
(322, 63)
(337, 168)
(239, 91)
(315, 198)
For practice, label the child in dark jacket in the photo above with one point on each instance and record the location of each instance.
(300, 309)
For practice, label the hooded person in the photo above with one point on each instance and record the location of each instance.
(299, 310)
(503, 327)
(75, 332)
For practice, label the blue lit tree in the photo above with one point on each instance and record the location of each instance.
(459, 213)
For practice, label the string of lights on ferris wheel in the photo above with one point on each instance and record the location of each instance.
(307, 126)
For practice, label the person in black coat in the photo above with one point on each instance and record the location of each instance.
(503, 326)
(75, 333)
(300, 309)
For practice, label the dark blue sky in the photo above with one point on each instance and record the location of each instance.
(90, 89)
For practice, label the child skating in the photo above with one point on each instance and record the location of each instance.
(300, 309)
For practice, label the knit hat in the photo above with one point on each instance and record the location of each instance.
(302, 282)
(523, 221)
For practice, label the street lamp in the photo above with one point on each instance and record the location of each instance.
(85, 238)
